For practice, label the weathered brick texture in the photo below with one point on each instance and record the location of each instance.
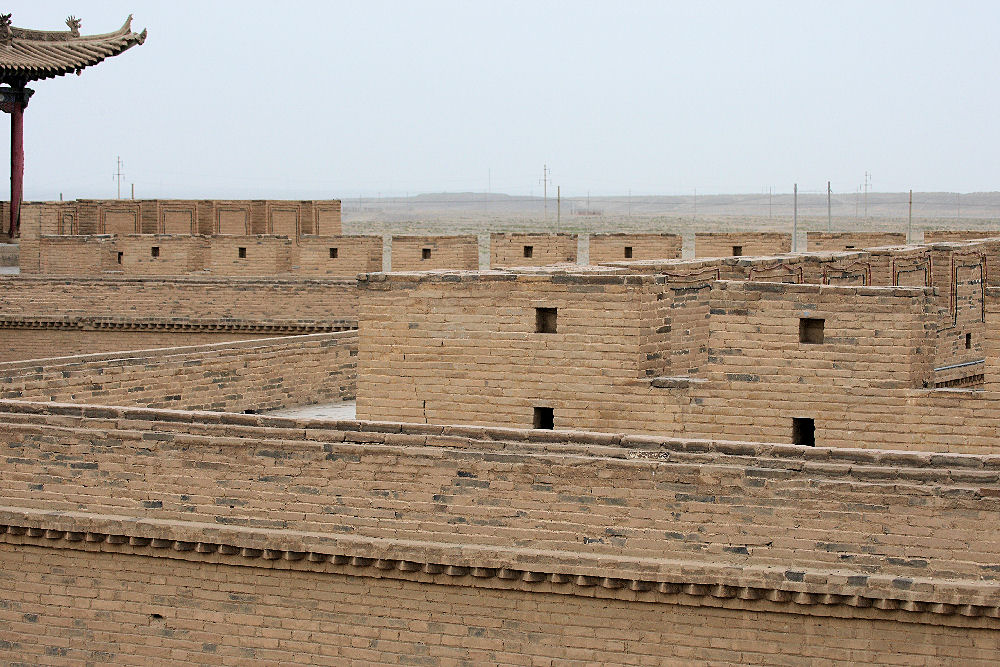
(827, 241)
(726, 244)
(532, 249)
(345, 256)
(425, 253)
(617, 247)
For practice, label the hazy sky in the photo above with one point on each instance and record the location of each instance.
(287, 99)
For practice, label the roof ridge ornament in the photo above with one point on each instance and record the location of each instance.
(6, 34)
(74, 25)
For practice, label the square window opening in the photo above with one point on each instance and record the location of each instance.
(242, 252)
(737, 251)
(811, 330)
(120, 255)
(543, 418)
(804, 431)
(545, 320)
(333, 253)
(425, 253)
(968, 341)
(529, 251)
(628, 252)
(154, 251)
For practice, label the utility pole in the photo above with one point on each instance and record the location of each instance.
(829, 217)
(133, 191)
(558, 205)
(909, 220)
(795, 217)
(868, 181)
(545, 190)
(118, 175)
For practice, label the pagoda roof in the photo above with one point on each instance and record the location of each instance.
(27, 55)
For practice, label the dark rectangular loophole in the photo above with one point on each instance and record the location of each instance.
(968, 341)
(850, 247)
(545, 320)
(529, 250)
(154, 251)
(543, 418)
(120, 255)
(811, 330)
(737, 251)
(333, 253)
(628, 252)
(804, 431)
(425, 253)
(242, 252)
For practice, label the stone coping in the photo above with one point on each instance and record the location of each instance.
(813, 288)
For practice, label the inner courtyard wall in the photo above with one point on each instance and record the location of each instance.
(263, 374)
(23, 341)
(295, 301)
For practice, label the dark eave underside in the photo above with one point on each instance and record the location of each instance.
(33, 54)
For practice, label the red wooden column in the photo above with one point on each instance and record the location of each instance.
(16, 166)
(13, 100)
